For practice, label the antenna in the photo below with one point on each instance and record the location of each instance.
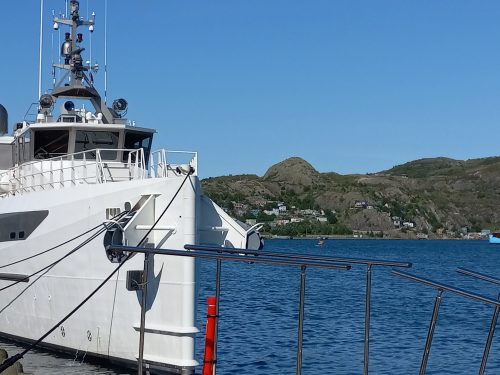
(105, 51)
(59, 43)
(90, 37)
(52, 53)
(40, 61)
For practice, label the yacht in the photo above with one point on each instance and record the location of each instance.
(79, 178)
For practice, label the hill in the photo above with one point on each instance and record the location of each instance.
(433, 196)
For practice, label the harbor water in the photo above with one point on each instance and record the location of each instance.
(259, 313)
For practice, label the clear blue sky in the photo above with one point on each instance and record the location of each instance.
(350, 86)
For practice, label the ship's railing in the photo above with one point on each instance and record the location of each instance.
(86, 167)
(277, 258)
(166, 163)
(441, 288)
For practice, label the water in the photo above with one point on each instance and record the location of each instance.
(259, 311)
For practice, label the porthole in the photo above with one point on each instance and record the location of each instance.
(12, 235)
(21, 234)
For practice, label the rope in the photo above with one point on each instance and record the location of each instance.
(61, 244)
(95, 235)
(46, 269)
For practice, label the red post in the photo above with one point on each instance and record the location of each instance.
(208, 360)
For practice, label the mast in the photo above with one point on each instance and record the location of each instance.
(79, 86)
(40, 51)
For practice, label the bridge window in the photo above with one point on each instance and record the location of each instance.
(51, 143)
(91, 140)
(136, 140)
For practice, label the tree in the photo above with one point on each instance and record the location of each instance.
(331, 217)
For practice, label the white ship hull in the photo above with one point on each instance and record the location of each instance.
(107, 326)
(73, 169)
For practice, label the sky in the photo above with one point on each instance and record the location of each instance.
(352, 86)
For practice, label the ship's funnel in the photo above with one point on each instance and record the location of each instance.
(4, 120)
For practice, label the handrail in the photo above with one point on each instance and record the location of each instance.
(235, 254)
(303, 262)
(478, 275)
(494, 318)
(448, 288)
(232, 257)
(70, 168)
(368, 262)
(160, 166)
(441, 288)
(373, 262)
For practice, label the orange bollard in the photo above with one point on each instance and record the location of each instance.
(208, 359)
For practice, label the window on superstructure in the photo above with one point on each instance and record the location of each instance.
(88, 141)
(135, 141)
(50, 143)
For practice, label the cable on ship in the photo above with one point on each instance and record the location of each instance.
(48, 267)
(11, 360)
(63, 243)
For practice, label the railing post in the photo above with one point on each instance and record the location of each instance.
(301, 319)
(430, 334)
(165, 169)
(61, 172)
(85, 172)
(51, 170)
(144, 288)
(73, 175)
(367, 318)
(489, 339)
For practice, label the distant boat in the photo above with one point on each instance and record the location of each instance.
(494, 237)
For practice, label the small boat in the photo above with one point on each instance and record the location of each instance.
(494, 237)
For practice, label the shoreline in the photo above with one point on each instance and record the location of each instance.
(350, 237)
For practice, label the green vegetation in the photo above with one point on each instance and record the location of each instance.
(430, 194)
(308, 228)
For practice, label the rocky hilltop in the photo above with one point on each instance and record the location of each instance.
(427, 197)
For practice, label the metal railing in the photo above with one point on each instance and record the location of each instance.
(92, 167)
(494, 318)
(86, 167)
(441, 288)
(277, 258)
(164, 163)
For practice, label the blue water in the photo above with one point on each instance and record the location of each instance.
(259, 312)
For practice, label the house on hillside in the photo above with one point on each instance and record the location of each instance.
(255, 212)
(396, 221)
(408, 224)
(251, 222)
(274, 211)
(282, 222)
(361, 204)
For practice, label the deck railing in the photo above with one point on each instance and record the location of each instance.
(441, 288)
(277, 258)
(291, 259)
(94, 167)
(165, 163)
(86, 167)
